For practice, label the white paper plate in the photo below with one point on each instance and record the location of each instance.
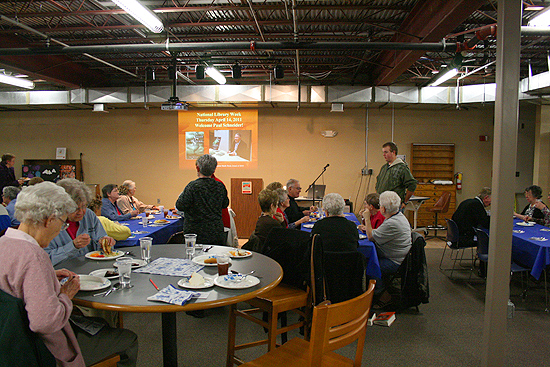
(91, 283)
(161, 221)
(199, 260)
(135, 218)
(545, 229)
(116, 254)
(184, 283)
(136, 263)
(526, 224)
(362, 236)
(518, 231)
(233, 254)
(307, 225)
(101, 273)
(542, 239)
(226, 282)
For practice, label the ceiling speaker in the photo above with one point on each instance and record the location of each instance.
(199, 71)
(279, 72)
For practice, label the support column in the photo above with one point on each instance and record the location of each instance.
(504, 163)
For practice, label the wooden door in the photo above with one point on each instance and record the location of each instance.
(246, 206)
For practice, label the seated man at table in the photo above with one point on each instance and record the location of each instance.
(110, 207)
(471, 214)
(295, 212)
(114, 230)
(337, 233)
(84, 231)
(531, 212)
(392, 239)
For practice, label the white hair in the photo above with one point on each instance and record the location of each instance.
(334, 204)
(78, 190)
(291, 183)
(129, 184)
(283, 195)
(37, 203)
(390, 201)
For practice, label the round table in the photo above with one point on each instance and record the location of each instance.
(134, 299)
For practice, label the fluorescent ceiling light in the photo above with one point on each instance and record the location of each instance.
(23, 83)
(215, 74)
(443, 78)
(142, 14)
(534, 8)
(542, 19)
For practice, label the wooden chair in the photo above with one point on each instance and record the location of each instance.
(440, 207)
(110, 361)
(333, 327)
(277, 301)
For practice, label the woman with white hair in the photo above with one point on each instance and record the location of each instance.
(128, 202)
(84, 232)
(337, 233)
(284, 202)
(392, 239)
(27, 273)
(202, 202)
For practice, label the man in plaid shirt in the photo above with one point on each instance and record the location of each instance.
(395, 175)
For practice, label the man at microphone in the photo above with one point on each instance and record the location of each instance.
(295, 212)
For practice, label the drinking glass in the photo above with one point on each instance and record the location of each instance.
(144, 221)
(190, 251)
(124, 265)
(190, 240)
(223, 264)
(145, 244)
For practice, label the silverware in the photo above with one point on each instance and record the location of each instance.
(115, 287)
(245, 274)
(206, 249)
(129, 253)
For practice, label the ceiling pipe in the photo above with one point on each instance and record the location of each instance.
(63, 45)
(235, 46)
(295, 22)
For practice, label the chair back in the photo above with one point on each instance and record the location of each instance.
(19, 346)
(415, 287)
(442, 204)
(289, 248)
(176, 238)
(337, 325)
(335, 276)
(452, 233)
(482, 242)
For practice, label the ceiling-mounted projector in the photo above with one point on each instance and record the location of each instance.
(174, 104)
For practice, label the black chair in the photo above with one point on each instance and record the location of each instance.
(453, 244)
(336, 276)
(414, 286)
(19, 346)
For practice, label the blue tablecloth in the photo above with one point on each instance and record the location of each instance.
(366, 247)
(159, 234)
(528, 252)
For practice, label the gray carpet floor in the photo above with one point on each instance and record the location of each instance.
(446, 331)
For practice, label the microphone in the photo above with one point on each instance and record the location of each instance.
(326, 166)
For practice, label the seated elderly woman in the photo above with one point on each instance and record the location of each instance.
(127, 201)
(269, 218)
(531, 211)
(202, 202)
(114, 230)
(284, 202)
(392, 239)
(9, 198)
(337, 233)
(110, 207)
(27, 273)
(84, 231)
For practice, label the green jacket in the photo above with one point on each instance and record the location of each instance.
(396, 177)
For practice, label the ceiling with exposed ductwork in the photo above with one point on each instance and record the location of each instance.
(67, 44)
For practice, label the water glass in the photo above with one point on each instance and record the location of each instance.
(190, 240)
(145, 243)
(190, 251)
(161, 209)
(144, 221)
(124, 265)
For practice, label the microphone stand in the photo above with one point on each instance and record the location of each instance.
(313, 184)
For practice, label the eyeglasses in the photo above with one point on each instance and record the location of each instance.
(82, 208)
(65, 224)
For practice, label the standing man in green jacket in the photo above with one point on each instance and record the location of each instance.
(395, 175)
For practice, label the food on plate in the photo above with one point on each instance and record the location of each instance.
(111, 273)
(96, 254)
(238, 252)
(196, 280)
(211, 260)
(161, 221)
(106, 246)
(135, 265)
(172, 217)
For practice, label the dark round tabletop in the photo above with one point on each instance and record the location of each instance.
(134, 299)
